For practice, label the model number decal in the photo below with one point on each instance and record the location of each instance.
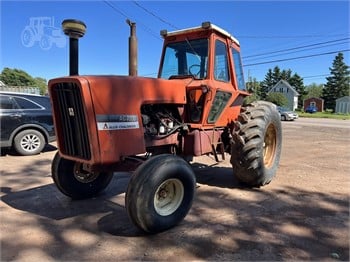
(117, 122)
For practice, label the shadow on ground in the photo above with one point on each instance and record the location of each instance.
(226, 222)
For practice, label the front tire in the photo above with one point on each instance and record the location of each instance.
(75, 183)
(160, 193)
(257, 143)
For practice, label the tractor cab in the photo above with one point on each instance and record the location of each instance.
(209, 57)
(204, 52)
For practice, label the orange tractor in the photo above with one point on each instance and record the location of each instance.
(155, 126)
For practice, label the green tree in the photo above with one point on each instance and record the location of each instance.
(286, 75)
(314, 90)
(276, 75)
(18, 77)
(277, 98)
(253, 87)
(337, 83)
(42, 84)
(266, 85)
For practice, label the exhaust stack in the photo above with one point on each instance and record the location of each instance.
(74, 29)
(132, 49)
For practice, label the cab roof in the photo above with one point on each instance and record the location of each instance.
(204, 26)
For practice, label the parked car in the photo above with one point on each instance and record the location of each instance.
(26, 122)
(311, 109)
(286, 114)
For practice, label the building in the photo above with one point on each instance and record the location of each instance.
(342, 105)
(316, 102)
(288, 91)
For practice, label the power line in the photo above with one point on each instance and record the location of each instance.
(146, 28)
(116, 9)
(297, 51)
(316, 76)
(154, 15)
(295, 58)
(295, 48)
(286, 36)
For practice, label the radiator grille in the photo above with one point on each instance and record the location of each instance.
(69, 110)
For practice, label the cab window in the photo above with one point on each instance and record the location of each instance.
(188, 58)
(238, 69)
(221, 71)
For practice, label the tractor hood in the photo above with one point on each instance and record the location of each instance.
(88, 110)
(127, 94)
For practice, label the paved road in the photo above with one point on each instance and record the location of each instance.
(303, 214)
(317, 122)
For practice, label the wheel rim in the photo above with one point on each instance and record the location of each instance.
(84, 176)
(30, 142)
(168, 197)
(270, 144)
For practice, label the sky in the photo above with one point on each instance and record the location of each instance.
(303, 36)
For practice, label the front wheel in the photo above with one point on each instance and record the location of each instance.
(160, 193)
(256, 144)
(76, 183)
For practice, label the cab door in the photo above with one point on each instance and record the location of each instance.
(221, 85)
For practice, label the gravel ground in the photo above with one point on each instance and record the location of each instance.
(303, 214)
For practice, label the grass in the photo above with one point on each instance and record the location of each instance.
(325, 115)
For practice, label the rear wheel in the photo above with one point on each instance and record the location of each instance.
(256, 146)
(76, 183)
(160, 193)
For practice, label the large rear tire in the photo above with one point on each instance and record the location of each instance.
(256, 144)
(160, 193)
(75, 183)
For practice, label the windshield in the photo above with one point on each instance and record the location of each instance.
(187, 58)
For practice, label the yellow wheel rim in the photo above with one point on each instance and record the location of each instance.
(270, 144)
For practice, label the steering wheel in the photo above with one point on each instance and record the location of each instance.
(192, 67)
